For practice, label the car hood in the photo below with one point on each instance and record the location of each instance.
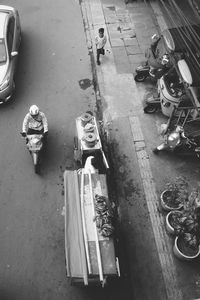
(3, 71)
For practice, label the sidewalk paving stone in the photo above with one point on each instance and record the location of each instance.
(133, 49)
(117, 42)
(136, 58)
(128, 33)
(114, 30)
(131, 42)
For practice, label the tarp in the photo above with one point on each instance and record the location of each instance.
(76, 264)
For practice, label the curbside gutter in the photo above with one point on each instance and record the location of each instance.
(88, 27)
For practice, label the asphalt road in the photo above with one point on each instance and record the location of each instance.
(54, 72)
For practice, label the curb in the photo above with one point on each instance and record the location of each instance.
(87, 21)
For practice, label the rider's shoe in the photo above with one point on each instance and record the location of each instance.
(155, 151)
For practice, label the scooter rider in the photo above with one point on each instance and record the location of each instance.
(35, 122)
(172, 140)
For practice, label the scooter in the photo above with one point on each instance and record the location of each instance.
(35, 144)
(177, 142)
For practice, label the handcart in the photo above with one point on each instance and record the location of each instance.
(87, 141)
(89, 237)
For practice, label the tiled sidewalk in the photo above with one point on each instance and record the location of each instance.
(129, 28)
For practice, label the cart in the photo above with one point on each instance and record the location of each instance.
(87, 141)
(90, 254)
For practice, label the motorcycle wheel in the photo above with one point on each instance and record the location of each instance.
(150, 109)
(155, 151)
(37, 169)
(139, 77)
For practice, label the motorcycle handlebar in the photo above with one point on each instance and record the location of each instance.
(23, 134)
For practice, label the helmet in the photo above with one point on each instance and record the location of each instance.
(34, 110)
(154, 37)
(165, 59)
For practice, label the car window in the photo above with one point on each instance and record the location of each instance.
(10, 33)
(2, 51)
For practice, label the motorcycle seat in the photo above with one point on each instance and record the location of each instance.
(33, 136)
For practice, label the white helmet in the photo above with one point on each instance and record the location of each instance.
(165, 59)
(34, 110)
(155, 37)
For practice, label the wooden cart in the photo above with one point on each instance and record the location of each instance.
(90, 256)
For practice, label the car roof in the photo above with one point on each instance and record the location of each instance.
(3, 17)
(6, 8)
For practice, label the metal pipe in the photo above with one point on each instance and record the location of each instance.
(83, 222)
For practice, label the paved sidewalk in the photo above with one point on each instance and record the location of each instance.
(129, 28)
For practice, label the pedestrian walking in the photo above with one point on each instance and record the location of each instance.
(100, 41)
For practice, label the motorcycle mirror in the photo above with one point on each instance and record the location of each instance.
(22, 134)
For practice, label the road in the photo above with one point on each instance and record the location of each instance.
(54, 72)
(53, 61)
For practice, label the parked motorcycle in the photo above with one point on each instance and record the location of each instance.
(147, 70)
(35, 144)
(177, 142)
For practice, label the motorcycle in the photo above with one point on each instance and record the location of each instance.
(35, 143)
(177, 142)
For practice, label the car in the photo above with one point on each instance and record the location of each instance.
(10, 39)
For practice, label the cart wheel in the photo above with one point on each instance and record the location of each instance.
(37, 169)
(75, 143)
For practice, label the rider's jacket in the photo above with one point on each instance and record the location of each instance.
(38, 123)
